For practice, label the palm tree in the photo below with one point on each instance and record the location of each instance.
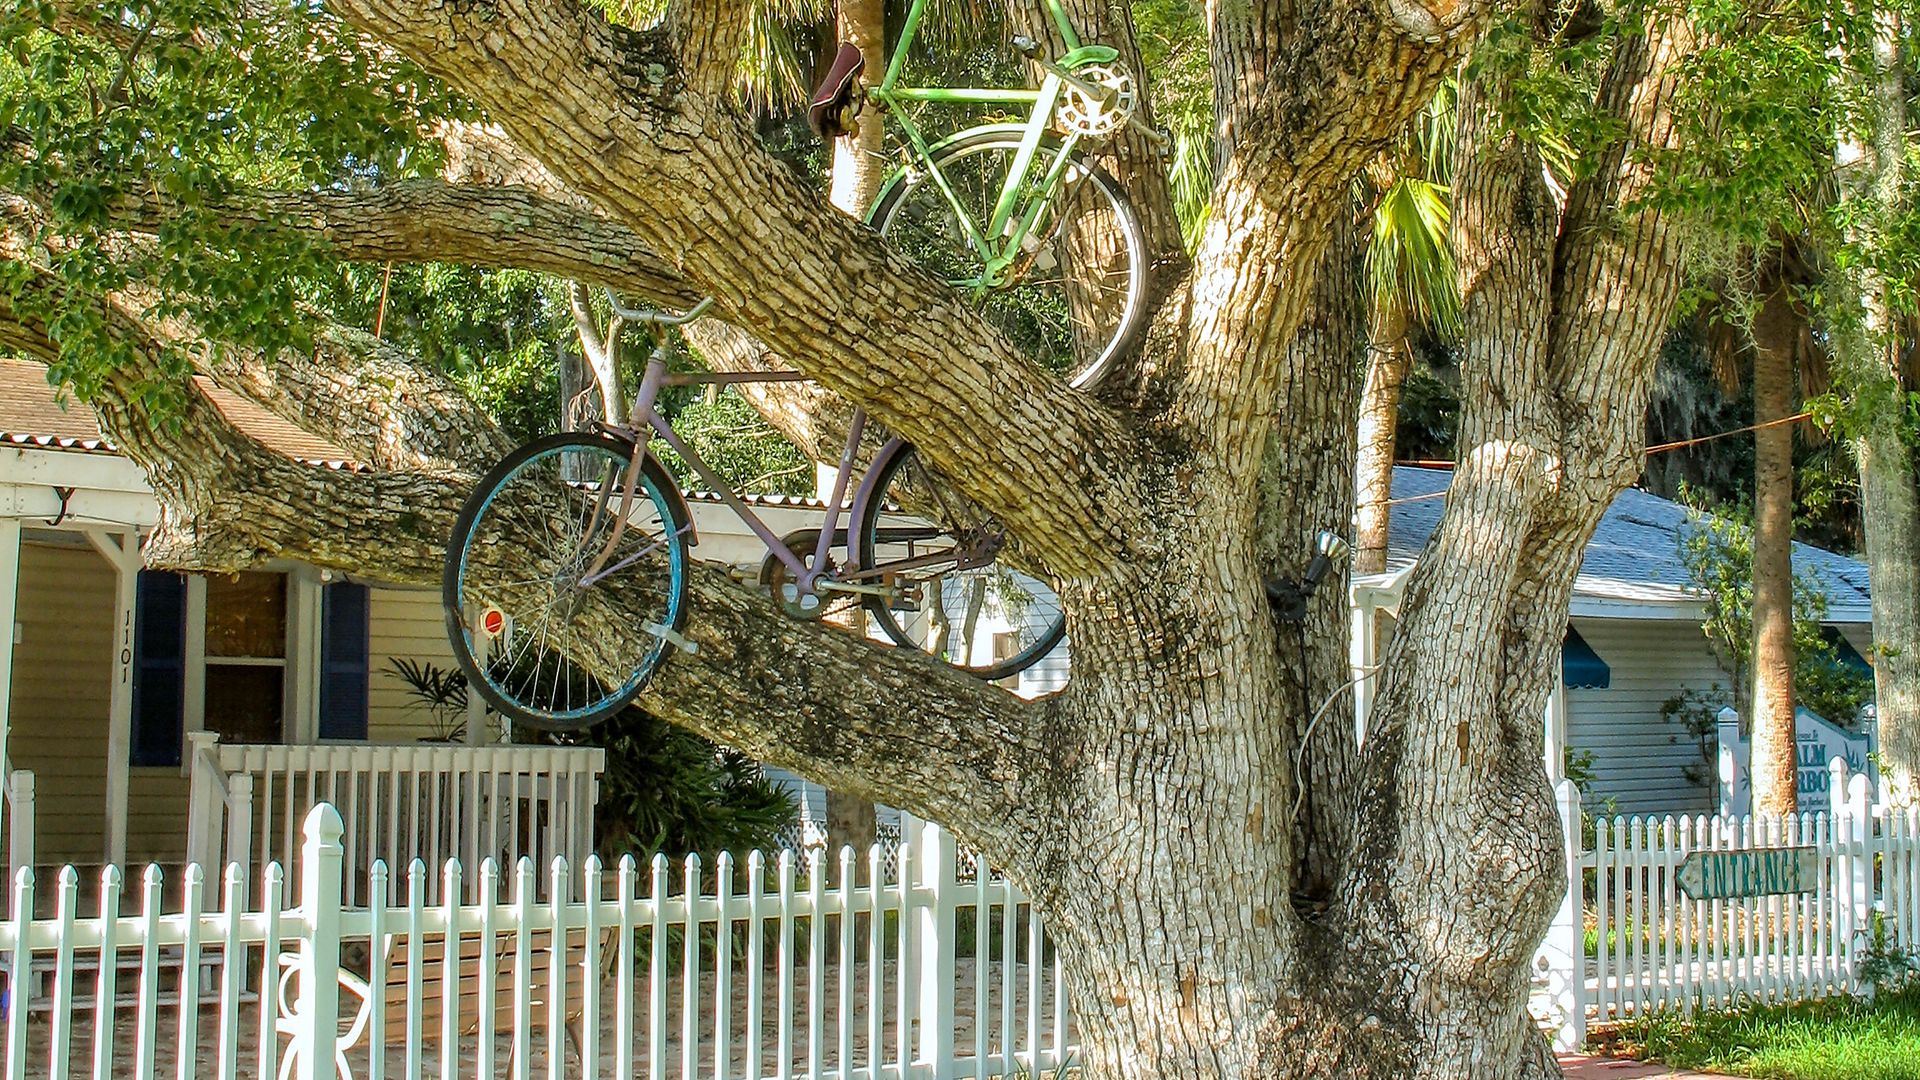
(1410, 281)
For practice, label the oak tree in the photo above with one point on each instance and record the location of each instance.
(1241, 885)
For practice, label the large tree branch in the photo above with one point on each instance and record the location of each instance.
(611, 113)
(429, 220)
(889, 724)
(1305, 98)
(708, 34)
(1620, 264)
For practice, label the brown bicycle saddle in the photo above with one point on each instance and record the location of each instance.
(837, 93)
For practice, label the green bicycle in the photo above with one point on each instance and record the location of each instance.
(1015, 213)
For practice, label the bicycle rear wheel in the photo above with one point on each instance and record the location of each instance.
(1076, 297)
(554, 609)
(989, 619)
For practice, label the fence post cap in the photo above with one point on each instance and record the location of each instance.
(323, 825)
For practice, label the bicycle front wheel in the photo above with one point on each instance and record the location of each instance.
(1074, 294)
(956, 598)
(564, 567)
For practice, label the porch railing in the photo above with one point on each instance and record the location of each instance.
(20, 820)
(397, 803)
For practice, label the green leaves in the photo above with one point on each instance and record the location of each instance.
(191, 99)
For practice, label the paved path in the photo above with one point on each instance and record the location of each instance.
(1582, 1067)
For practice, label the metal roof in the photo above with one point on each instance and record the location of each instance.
(1634, 556)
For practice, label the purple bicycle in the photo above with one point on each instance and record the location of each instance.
(574, 538)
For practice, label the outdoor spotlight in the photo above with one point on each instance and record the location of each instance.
(1289, 597)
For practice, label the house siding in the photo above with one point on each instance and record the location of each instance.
(62, 680)
(408, 624)
(1639, 757)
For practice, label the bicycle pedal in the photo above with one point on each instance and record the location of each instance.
(672, 637)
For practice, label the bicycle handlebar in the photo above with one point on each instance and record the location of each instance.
(657, 318)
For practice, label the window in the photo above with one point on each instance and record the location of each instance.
(246, 656)
(256, 657)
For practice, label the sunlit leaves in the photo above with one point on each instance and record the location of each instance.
(189, 99)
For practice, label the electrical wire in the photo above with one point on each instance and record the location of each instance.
(1660, 449)
(1300, 758)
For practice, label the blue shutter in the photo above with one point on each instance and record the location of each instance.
(343, 661)
(159, 667)
(1580, 667)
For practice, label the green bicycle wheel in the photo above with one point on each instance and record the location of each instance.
(1075, 296)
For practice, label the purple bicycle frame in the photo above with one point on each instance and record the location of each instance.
(804, 577)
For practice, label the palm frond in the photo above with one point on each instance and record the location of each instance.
(1410, 259)
(772, 74)
(1190, 174)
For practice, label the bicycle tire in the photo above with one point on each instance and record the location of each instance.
(1036, 633)
(1019, 308)
(488, 527)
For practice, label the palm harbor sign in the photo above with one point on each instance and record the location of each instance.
(1817, 741)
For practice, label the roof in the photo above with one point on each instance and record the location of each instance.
(1634, 556)
(35, 413)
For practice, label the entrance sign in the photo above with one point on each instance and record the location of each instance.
(1728, 875)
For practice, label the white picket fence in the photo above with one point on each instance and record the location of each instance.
(766, 969)
(1629, 940)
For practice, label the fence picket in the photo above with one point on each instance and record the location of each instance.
(690, 974)
(559, 891)
(106, 987)
(752, 1064)
(722, 967)
(233, 970)
(843, 1060)
(486, 893)
(816, 961)
(66, 898)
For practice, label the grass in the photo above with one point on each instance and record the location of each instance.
(1835, 1039)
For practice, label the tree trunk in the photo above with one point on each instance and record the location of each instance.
(859, 161)
(1866, 360)
(1775, 766)
(1389, 360)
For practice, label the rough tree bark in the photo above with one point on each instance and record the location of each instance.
(1239, 886)
(1389, 360)
(1776, 333)
(1866, 360)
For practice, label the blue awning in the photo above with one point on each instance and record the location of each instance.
(1580, 667)
(1844, 651)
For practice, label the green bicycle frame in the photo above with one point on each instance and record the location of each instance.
(1009, 222)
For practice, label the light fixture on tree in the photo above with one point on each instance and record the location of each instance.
(1289, 597)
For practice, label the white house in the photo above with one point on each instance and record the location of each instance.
(132, 699)
(1634, 639)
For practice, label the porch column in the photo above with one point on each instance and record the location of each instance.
(1556, 720)
(122, 551)
(1361, 642)
(9, 612)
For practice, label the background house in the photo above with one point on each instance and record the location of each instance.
(116, 669)
(1634, 639)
